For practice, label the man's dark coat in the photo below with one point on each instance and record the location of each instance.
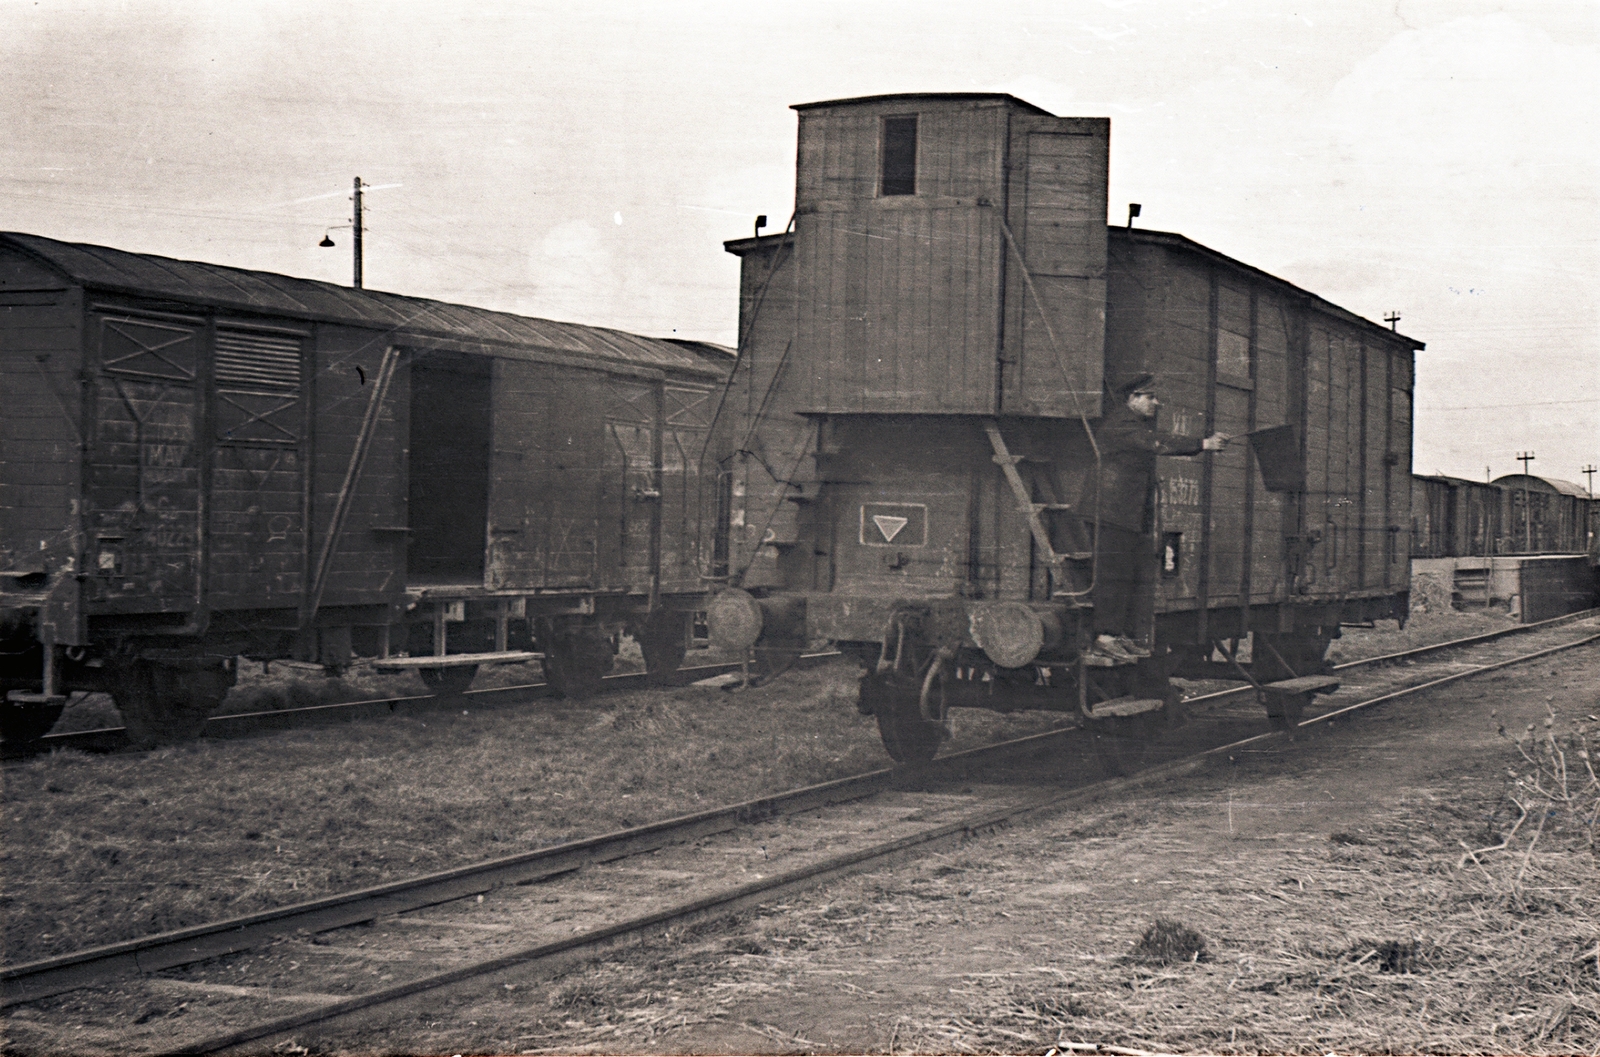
(1129, 445)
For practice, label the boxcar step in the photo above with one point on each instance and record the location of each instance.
(1305, 684)
(1125, 706)
(454, 660)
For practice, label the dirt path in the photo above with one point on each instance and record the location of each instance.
(1323, 876)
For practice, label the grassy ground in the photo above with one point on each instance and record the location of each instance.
(95, 849)
(1422, 879)
(1424, 628)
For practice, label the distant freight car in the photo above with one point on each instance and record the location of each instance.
(1517, 514)
(923, 368)
(1523, 542)
(203, 462)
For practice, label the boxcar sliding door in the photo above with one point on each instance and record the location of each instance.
(545, 525)
(143, 482)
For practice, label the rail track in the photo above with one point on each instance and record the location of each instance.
(235, 724)
(231, 983)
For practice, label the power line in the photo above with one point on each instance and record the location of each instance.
(1485, 407)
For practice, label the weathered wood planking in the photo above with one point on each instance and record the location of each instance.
(906, 301)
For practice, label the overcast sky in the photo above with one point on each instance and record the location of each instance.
(586, 161)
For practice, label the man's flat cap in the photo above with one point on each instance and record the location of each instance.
(1133, 383)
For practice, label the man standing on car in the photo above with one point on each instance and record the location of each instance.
(1117, 503)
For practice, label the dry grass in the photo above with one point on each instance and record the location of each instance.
(1340, 914)
(98, 849)
(1423, 628)
(104, 848)
(1461, 922)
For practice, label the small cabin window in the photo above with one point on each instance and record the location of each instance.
(899, 156)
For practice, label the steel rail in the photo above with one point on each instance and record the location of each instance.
(113, 736)
(27, 982)
(718, 905)
(109, 735)
(1419, 651)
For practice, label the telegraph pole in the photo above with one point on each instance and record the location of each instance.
(356, 226)
(1393, 319)
(1589, 472)
(1525, 457)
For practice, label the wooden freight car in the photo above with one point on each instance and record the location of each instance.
(203, 462)
(1517, 514)
(921, 371)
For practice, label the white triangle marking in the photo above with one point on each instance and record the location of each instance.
(889, 526)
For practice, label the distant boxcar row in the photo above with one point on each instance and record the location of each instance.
(1516, 514)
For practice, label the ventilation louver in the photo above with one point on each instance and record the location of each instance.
(247, 360)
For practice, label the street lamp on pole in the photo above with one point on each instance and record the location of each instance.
(355, 228)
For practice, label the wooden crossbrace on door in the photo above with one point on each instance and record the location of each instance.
(341, 507)
(1008, 465)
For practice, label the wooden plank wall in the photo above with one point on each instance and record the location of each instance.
(256, 516)
(1055, 324)
(687, 516)
(1397, 462)
(41, 342)
(1188, 321)
(1274, 345)
(898, 295)
(629, 458)
(773, 381)
(1160, 321)
(554, 513)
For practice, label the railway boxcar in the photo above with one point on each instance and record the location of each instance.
(1511, 515)
(203, 462)
(921, 369)
(1452, 517)
(1541, 515)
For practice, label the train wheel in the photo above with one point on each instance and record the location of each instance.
(575, 664)
(664, 640)
(164, 704)
(22, 721)
(448, 681)
(907, 737)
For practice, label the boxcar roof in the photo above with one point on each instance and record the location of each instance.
(740, 247)
(1176, 241)
(240, 289)
(1542, 484)
(912, 97)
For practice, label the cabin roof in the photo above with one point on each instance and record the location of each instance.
(916, 97)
